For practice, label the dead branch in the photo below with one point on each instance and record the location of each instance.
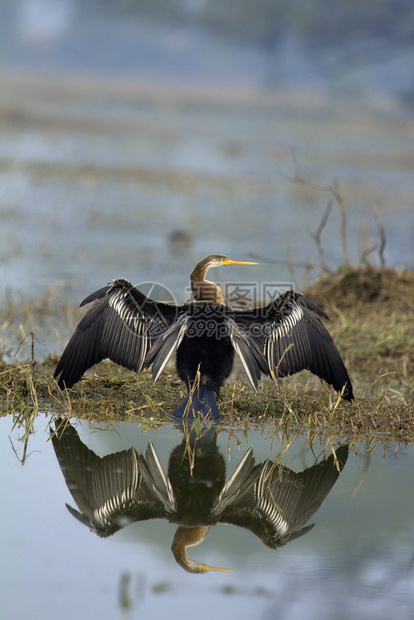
(335, 192)
(335, 197)
(341, 205)
(317, 236)
(366, 253)
(383, 240)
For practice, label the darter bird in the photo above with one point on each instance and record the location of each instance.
(278, 339)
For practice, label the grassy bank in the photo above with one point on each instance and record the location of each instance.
(370, 318)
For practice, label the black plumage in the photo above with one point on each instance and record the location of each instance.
(279, 339)
(270, 500)
(294, 339)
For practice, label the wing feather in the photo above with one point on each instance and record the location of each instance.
(247, 358)
(121, 325)
(109, 492)
(251, 356)
(294, 339)
(277, 502)
(162, 351)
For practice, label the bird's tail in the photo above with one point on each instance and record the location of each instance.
(200, 401)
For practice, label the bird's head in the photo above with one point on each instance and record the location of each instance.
(217, 260)
(203, 290)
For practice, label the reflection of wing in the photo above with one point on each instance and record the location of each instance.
(110, 492)
(156, 480)
(276, 502)
(238, 484)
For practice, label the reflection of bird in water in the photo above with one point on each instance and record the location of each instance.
(279, 339)
(271, 501)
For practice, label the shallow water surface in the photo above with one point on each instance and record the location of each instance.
(343, 541)
(93, 185)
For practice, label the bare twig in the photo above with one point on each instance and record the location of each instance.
(377, 217)
(366, 253)
(335, 192)
(338, 197)
(32, 359)
(33, 337)
(317, 236)
(299, 178)
(149, 404)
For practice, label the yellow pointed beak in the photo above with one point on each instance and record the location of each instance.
(228, 261)
(205, 568)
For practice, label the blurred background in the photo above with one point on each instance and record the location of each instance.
(136, 137)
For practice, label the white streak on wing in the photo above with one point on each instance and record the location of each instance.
(282, 330)
(130, 317)
(223, 501)
(274, 515)
(166, 495)
(105, 513)
(285, 328)
(235, 344)
(267, 506)
(118, 304)
(174, 346)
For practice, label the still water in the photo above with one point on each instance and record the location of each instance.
(94, 178)
(307, 534)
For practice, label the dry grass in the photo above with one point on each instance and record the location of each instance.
(371, 320)
(371, 314)
(373, 331)
(370, 309)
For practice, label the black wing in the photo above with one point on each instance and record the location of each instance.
(250, 354)
(156, 480)
(276, 502)
(294, 339)
(110, 492)
(168, 342)
(122, 325)
(237, 487)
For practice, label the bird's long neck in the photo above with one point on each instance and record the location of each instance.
(187, 537)
(202, 289)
